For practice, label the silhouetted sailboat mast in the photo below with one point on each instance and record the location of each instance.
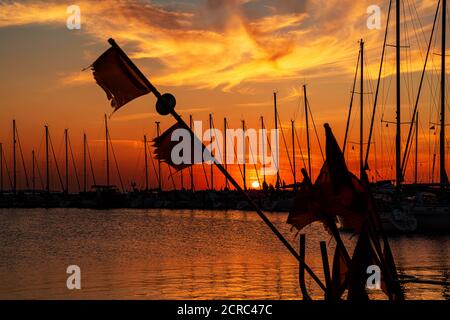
(159, 160)
(398, 170)
(416, 157)
(33, 175)
(293, 154)
(107, 150)
(47, 165)
(14, 158)
(277, 167)
(66, 149)
(443, 173)
(84, 162)
(146, 163)
(225, 149)
(361, 116)
(191, 168)
(308, 143)
(1, 167)
(244, 175)
(263, 151)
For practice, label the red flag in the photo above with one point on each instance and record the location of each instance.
(117, 78)
(363, 256)
(336, 192)
(340, 270)
(164, 145)
(306, 209)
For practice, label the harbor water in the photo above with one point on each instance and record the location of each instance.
(180, 254)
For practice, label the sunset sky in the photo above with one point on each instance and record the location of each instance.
(224, 57)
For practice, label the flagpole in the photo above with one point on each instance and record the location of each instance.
(256, 208)
(166, 105)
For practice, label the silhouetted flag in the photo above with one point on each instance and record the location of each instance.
(338, 280)
(363, 256)
(119, 81)
(164, 145)
(389, 276)
(336, 192)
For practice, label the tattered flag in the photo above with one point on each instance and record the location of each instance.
(117, 78)
(164, 146)
(336, 192)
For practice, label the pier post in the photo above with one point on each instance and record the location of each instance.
(326, 269)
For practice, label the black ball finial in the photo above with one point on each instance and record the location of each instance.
(165, 104)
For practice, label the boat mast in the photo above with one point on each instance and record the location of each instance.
(159, 160)
(33, 175)
(411, 127)
(47, 160)
(84, 163)
(347, 126)
(443, 173)
(107, 150)
(307, 131)
(67, 160)
(398, 170)
(146, 163)
(211, 141)
(225, 149)
(361, 116)
(243, 154)
(277, 184)
(293, 153)
(263, 143)
(1, 167)
(375, 102)
(417, 148)
(191, 169)
(14, 158)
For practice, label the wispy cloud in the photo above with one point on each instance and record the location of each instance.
(135, 116)
(222, 43)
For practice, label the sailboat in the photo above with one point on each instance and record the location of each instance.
(409, 207)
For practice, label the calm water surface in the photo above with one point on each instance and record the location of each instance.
(165, 254)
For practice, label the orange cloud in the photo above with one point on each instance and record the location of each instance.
(221, 44)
